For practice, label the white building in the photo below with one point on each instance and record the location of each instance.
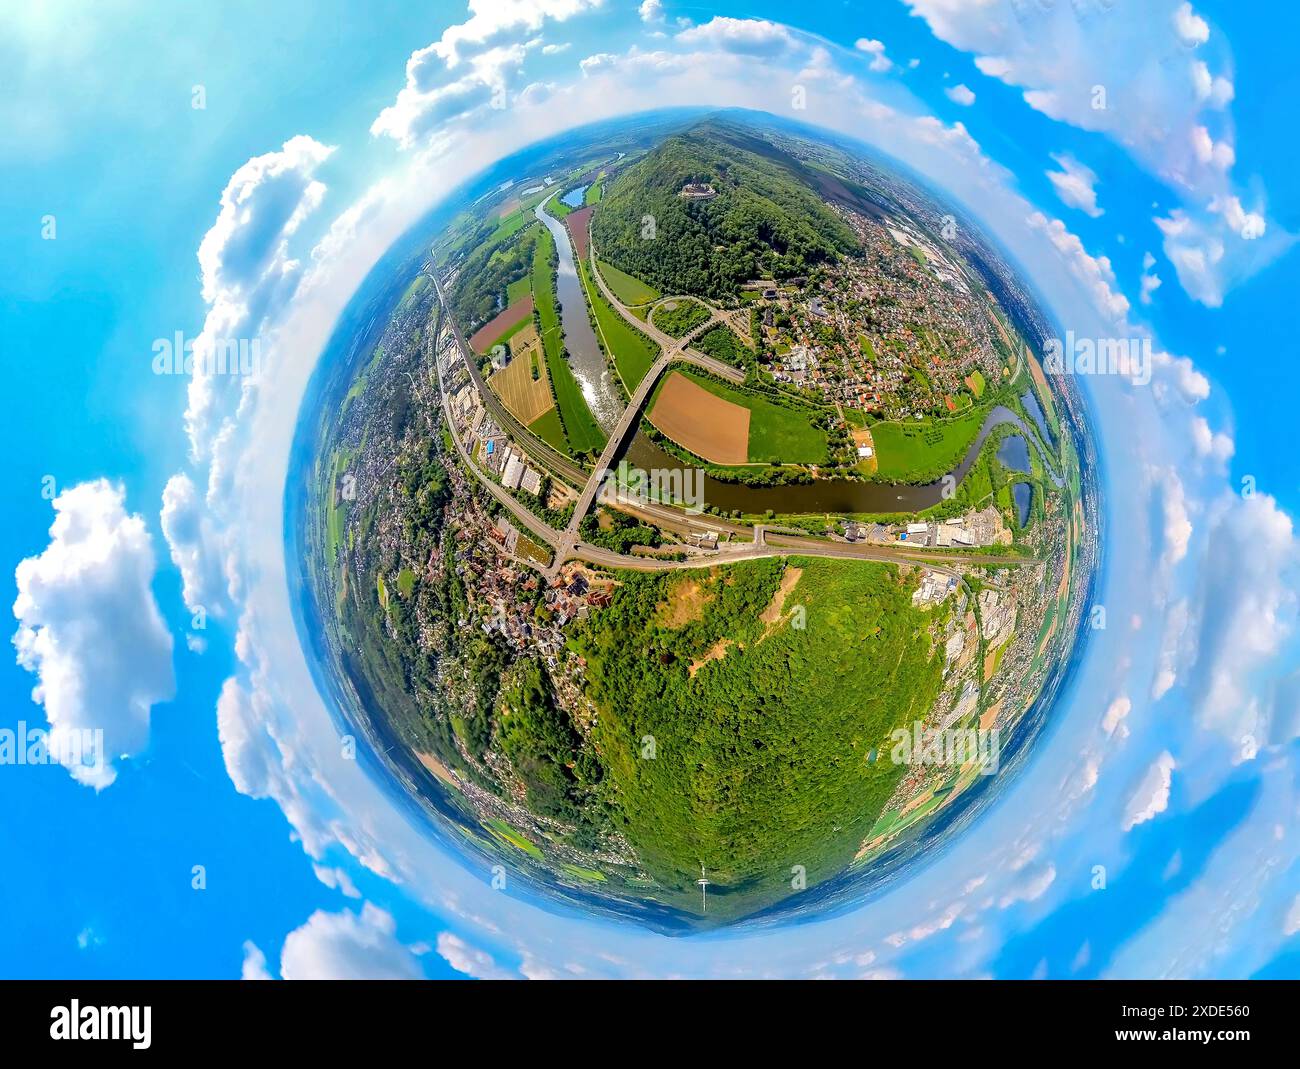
(513, 473)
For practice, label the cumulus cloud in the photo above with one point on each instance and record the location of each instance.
(1150, 281)
(1214, 249)
(90, 629)
(254, 967)
(348, 946)
(651, 11)
(1291, 922)
(336, 879)
(960, 94)
(470, 960)
(1210, 444)
(191, 537)
(1076, 184)
(1152, 795)
(1032, 884)
(1113, 719)
(247, 274)
(1153, 85)
(876, 50)
(746, 37)
(1190, 27)
(1094, 273)
(1242, 612)
(470, 67)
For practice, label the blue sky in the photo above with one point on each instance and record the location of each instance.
(310, 864)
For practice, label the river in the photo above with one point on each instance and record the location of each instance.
(605, 399)
(603, 395)
(823, 495)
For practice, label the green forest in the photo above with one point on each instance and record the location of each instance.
(766, 220)
(753, 770)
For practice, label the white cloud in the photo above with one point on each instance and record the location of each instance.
(191, 537)
(1076, 184)
(1152, 795)
(1190, 27)
(555, 50)
(1150, 281)
(960, 94)
(471, 66)
(1094, 273)
(876, 49)
(248, 275)
(1137, 83)
(1181, 373)
(254, 967)
(651, 11)
(1177, 522)
(90, 629)
(1291, 922)
(1216, 90)
(1211, 444)
(336, 879)
(470, 960)
(1032, 884)
(348, 946)
(1244, 609)
(1116, 712)
(746, 37)
(595, 63)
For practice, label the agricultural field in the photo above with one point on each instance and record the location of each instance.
(502, 326)
(775, 433)
(577, 224)
(699, 420)
(550, 430)
(680, 317)
(523, 385)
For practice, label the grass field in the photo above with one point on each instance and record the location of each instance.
(631, 291)
(679, 317)
(510, 224)
(550, 430)
(519, 289)
(632, 351)
(903, 449)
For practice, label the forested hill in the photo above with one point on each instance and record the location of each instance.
(765, 222)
